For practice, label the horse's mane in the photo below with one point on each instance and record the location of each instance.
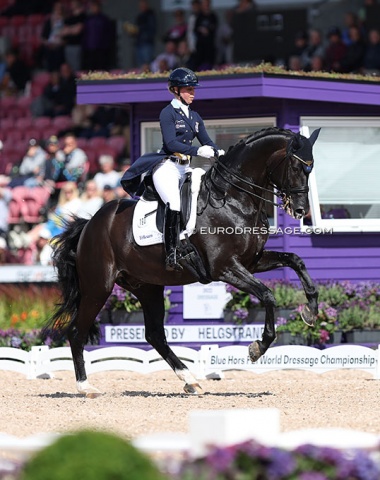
(264, 132)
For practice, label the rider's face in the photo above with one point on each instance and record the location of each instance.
(187, 93)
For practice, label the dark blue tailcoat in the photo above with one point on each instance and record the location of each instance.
(178, 132)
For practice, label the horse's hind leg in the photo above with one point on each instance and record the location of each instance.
(271, 260)
(152, 300)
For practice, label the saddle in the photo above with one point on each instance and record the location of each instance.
(188, 255)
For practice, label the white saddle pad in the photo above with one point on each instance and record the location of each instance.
(144, 227)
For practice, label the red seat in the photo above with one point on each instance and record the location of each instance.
(24, 103)
(118, 143)
(24, 123)
(35, 198)
(42, 123)
(97, 142)
(63, 122)
(107, 150)
(13, 135)
(33, 132)
(82, 143)
(6, 124)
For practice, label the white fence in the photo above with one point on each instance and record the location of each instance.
(208, 361)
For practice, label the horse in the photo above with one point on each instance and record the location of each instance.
(91, 255)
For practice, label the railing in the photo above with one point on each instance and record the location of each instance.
(209, 361)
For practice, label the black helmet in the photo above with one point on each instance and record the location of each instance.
(183, 77)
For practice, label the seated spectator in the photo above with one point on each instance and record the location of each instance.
(313, 49)
(109, 194)
(5, 198)
(31, 171)
(16, 76)
(178, 31)
(316, 64)
(40, 252)
(68, 206)
(91, 200)
(58, 97)
(294, 63)
(335, 50)
(371, 61)
(108, 175)
(6, 256)
(185, 59)
(352, 61)
(299, 46)
(70, 161)
(169, 57)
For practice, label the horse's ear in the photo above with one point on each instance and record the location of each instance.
(313, 137)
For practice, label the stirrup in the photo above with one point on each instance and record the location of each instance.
(171, 262)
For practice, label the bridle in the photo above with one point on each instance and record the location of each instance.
(284, 193)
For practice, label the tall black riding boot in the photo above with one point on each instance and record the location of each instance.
(171, 238)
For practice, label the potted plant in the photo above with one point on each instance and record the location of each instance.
(123, 307)
(294, 331)
(360, 322)
(245, 308)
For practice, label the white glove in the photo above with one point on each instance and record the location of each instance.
(206, 151)
(221, 153)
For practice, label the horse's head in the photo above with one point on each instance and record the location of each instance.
(290, 174)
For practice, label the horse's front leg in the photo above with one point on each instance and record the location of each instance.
(271, 260)
(152, 301)
(242, 279)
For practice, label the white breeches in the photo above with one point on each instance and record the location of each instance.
(166, 178)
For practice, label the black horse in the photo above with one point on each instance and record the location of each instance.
(91, 255)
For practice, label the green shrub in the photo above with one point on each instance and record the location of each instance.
(90, 455)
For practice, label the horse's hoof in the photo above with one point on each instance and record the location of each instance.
(88, 390)
(254, 352)
(193, 389)
(307, 316)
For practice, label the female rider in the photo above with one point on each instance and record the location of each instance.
(179, 126)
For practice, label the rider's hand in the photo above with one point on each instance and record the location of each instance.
(221, 152)
(206, 151)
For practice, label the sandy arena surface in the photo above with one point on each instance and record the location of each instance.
(134, 404)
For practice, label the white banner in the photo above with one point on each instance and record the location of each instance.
(204, 301)
(187, 333)
(27, 273)
(293, 357)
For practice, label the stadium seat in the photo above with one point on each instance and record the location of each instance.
(42, 123)
(35, 199)
(118, 143)
(96, 142)
(63, 122)
(24, 123)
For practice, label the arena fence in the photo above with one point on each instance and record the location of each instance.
(210, 361)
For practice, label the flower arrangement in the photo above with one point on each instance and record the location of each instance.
(249, 460)
(123, 300)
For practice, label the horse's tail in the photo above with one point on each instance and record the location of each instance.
(64, 255)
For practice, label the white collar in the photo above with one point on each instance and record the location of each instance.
(178, 104)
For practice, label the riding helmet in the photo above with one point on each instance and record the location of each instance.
(183, 77)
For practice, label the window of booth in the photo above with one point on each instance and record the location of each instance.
(224, 132)
(344, 184)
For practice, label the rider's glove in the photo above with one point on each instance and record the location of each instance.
(206, 151)
(221, 152)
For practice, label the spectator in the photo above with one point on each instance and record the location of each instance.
(72, 34)
(91, 200)
(108, 175)
(317, 64)
(168, 58)
(184, 55)
(352, 61)
(371, 61)
(6, 255)
(5, 198)
(335, 50)
(350, 20)
(313, 49)
(16, 75)
(52, 169)
(97, 34)
(31, 172)
(58, 97)
(224, 39)
(40, 252)
(109, 194)
(190, 34)
(206, 26)
(71, 161)
(52, 42)
(245, 6)
(178, 31)
(294, 63)
(143, 31)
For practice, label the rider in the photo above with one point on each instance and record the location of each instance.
(179, 126)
